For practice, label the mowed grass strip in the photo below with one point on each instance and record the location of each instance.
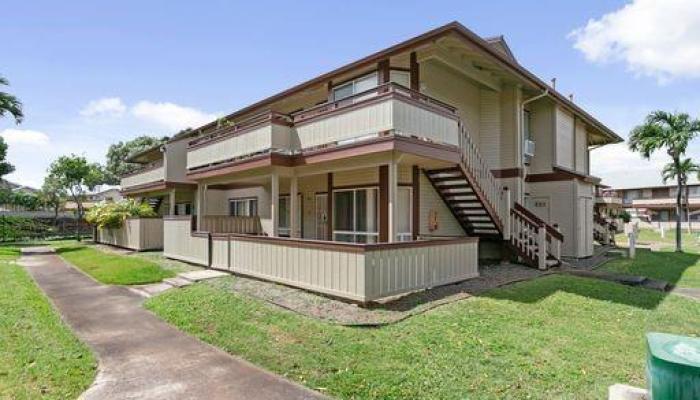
(114, 269)
(39, 356)
(553, 337)
(680, 269)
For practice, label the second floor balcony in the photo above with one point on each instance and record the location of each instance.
(149, 173)
(386, 109)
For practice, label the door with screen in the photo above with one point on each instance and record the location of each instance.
(321, 214)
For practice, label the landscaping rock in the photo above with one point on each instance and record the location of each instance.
(619, 391)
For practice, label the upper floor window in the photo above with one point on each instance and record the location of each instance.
(355, 86)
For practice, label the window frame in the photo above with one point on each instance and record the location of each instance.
(355, 233)
(249, 208)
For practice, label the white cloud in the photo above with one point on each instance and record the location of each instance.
(111, 106)
(25, 137)
(171, 115)
(660, 39)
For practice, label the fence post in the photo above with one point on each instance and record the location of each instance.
(542, 247)
(506, 214)
(557, 244)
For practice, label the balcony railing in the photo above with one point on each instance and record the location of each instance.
(150, 173)
(258, 134)
(388, 108)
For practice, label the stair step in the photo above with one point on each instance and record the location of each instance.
(441, 170)
(456, 179)
(472, 211)
(447, 185)
(477, 217)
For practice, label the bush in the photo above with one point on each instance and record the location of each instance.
(113, 215)
(625, 216)
(19, 228)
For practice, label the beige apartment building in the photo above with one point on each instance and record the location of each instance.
(394, 173)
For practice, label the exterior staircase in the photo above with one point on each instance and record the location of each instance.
(484, 208)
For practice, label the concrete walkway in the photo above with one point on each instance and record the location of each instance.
(140, 356)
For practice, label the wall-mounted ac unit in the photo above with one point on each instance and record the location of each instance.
(529, 148)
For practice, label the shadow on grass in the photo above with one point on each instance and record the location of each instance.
(69, 249)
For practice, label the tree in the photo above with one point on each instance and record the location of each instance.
(76, 175)
(52, 195)
(119, 152)
(685, 169)
(672, 132)
(9, 104)
(5, 167)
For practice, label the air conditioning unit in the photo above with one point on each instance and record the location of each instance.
(529, 148)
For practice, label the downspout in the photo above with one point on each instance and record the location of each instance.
(522, 129)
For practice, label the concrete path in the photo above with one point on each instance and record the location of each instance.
(140, 356)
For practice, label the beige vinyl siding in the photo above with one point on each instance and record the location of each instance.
(581, 148)
(565, 139)
(542, 121)
(150, 176)
(135, 233)
(413, 121)
(490, 127)
(510, 113)
(179, 243)
(360, 176)
(584, 218)
(444, 84)
(175, 161)
(562, 205)
(430, 200)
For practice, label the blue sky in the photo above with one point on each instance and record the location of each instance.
(164, 64)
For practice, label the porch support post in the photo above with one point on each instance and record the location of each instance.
(274, 203)
(393, 200)
(415, 221)
(201, 204)
(415, 72)
(329, 207)
(293, 204)
(171, 202)
(383, 203)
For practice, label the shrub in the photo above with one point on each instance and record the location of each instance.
(19, 228)
(625, 216)
(113, 215)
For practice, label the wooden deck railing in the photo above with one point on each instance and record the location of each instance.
(534, 239)
(228, 224)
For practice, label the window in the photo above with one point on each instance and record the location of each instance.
(404, 214)
(403, 78)
(244, 207)
(183, 208)
(527, 133)
(355, 215)
(355, 86)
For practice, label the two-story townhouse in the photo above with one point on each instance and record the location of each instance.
(657, 204)
(384, 176)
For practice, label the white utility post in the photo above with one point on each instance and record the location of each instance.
(393, 178)
(631, 232)
(293, 204)
(274, 203)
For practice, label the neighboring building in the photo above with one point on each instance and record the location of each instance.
(370, 167)
(101, 196)
(657, 204)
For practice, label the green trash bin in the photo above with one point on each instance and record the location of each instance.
(673, 367)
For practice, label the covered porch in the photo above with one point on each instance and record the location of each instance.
(359, 228)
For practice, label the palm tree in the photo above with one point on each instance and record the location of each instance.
(10, 104)
(670, 131)
(685, 169)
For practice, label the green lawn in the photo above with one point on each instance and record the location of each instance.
(680, 269)
(553, 337)
(39, 356)
(113, 269)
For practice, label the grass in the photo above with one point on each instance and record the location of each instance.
(39, 356)
(113, 269)
(553, 337)
(680, 269)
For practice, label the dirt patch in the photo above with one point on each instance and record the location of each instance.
(344, 313)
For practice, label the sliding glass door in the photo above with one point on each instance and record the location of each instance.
(355, 215)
